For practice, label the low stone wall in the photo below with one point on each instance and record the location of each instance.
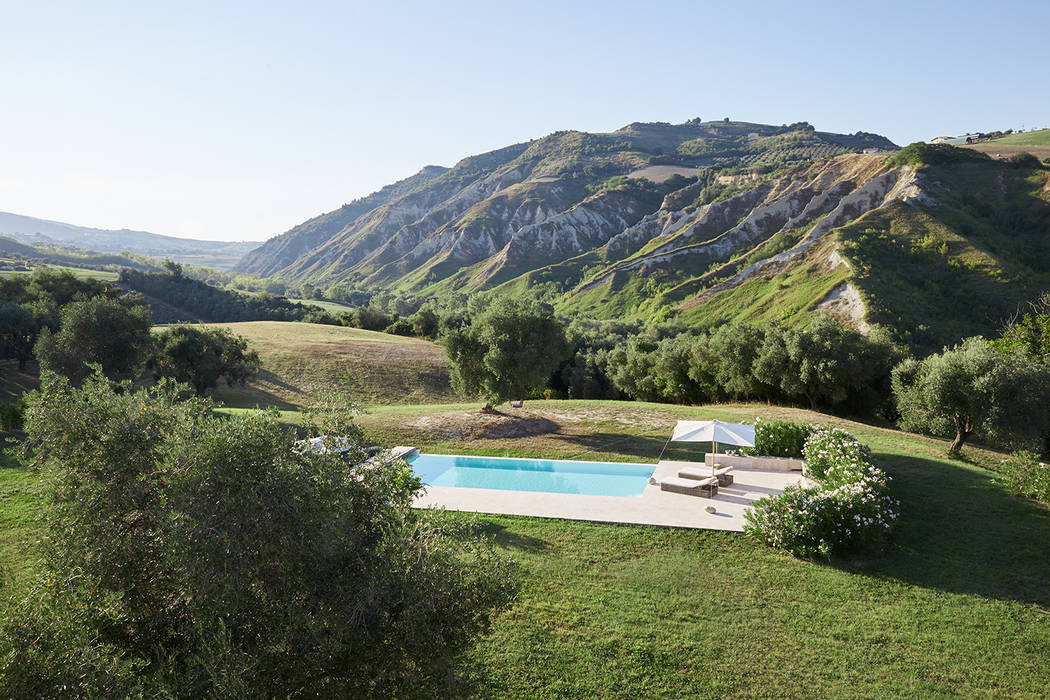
(769, 464)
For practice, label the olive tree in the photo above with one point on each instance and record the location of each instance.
(509, 348)
(972, 389)
(192, 555)
(201, 357)
(113, 333)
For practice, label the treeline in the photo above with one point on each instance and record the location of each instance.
(211, 303)
(72, 326)
(827, 366)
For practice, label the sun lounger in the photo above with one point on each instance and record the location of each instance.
(691, 487)
(724, 475)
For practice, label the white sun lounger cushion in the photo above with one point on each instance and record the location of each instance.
(702, 472)
(687, 483)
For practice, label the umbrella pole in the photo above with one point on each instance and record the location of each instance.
(714, 446)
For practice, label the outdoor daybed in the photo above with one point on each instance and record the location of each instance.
(723, 474)
(691, 487)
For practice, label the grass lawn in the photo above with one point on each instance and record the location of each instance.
(959, 606)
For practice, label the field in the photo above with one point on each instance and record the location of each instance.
(1035, 142)
(299, 359)
(79, 272)
(1040, 137)
(958, 606)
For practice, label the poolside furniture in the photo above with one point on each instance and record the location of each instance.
(723, 474)
(691, 487)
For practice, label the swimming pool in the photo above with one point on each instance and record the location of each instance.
(545, 475)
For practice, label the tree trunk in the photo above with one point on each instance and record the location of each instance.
(963, 430)
(957, 443)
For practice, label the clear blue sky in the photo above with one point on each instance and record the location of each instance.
(237, 120)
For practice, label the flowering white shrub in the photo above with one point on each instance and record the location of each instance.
(849, 508)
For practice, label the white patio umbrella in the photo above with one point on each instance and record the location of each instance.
(714, 431)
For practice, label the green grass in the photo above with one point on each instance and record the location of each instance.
(79, 272)
(1029, 138)
(19, 505)
(958, 606)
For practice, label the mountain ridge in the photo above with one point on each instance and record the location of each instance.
(28, 229)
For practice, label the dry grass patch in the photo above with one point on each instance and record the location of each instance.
(301, 359)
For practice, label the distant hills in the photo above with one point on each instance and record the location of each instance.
(218, 254)
(704, 222)
(476, 223)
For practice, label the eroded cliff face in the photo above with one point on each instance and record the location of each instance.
(510, 222)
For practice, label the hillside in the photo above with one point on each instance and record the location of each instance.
(300, 359)
(1035, 142)
(935, 242)
(557, 196)
(18, 254)
(218, 254)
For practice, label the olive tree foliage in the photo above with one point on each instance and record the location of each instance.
(19, 329)
(192, 555)
(112, 332)
(508, 349)
(828, 363)
(201, 357)
(971, 389)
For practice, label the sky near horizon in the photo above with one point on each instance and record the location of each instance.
(238, 120)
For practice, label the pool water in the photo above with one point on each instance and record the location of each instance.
(545, 475)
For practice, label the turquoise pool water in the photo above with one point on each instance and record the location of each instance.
(546, 475)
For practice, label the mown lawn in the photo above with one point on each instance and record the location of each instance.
(958, 606)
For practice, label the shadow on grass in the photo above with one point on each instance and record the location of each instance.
(511, 540)
(645, 447)
(961, 531)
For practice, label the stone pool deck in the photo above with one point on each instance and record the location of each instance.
(652, 507)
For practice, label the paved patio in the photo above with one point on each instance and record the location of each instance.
(652, 507)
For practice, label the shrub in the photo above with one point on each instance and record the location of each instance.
(834, 456)
(1027, 476)
(849, 508)
(779, 438)
(401, 326)
(1025, 160)
(191, 555)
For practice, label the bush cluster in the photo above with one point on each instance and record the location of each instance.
(191, 555)
(1027, 476)
(848, 508)
(779, 438)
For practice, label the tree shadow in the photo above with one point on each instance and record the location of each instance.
(647, 447)
(503, 537)
(961, 532)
